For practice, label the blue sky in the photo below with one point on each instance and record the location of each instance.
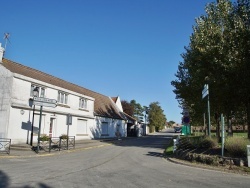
(126, 48)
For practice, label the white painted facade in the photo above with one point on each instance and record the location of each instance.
(17, 112)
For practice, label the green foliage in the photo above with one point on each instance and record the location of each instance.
(208, 143)
(156, 116)
(237, 146)
(64, 136)
(192, 142)
(127, 107)
(218, 50)
(137, 110)
(171, 123)
(169, 150)
(151, 129)
(44, 138)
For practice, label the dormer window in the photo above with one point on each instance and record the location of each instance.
(83, 103)
(41, 91)
(62, 97)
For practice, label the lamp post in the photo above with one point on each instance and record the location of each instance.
(35, 94)
(39, 129)
(146, 113)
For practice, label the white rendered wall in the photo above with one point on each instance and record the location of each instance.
(20, 117)
(6, 80)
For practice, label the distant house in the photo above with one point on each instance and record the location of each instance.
(94, 115)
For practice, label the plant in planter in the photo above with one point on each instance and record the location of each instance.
(44, 138)
(64, 136)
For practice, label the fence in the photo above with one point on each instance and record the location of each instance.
(5, 145)
(57, 144)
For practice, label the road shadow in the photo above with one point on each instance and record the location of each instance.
(5, 182)
(155, 154)
(161, 141)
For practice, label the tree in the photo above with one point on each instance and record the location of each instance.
(138, 110)
(156, 117)
(219, 50)
(127, 108)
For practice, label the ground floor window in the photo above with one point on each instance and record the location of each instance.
(82, 128)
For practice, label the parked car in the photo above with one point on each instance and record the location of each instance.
(177, 129)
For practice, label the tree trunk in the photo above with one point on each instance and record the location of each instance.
(248, 120)
(218, 127)
(229, 125)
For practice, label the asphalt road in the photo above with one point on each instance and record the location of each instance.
(134, 163)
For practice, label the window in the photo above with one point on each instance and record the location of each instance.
(82, 127)
(83, 103)
(41, 90)
(62, 97)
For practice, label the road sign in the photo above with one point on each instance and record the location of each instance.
(205, 91)
(39, 101)
(186, 120)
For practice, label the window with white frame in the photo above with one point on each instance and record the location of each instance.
(83, 103)
(82, 127)
(62, 97)
(41, 90)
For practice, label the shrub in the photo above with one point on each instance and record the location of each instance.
(44, 138)
(64, 136)
(169, 150)
(237, 146)
(208, 143)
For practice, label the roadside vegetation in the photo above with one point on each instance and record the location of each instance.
(218, 55)
(234, 146)
(153, 114)
(207, 151)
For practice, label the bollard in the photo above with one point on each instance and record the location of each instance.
(248, 155)
(176, 142)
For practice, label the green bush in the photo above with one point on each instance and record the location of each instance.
(169, 150)
(208, 143)
(64, 136)
(44, 138)
(192, 142)
(236, 146)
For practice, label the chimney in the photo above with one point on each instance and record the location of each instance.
(1, 53)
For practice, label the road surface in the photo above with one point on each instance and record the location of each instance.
(131, 163)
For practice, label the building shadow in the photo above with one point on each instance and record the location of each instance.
(5, 182)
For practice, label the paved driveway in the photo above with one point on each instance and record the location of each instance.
(132, 163)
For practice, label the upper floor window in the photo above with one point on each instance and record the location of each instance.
(41, 91)
(83, 103)
(62, 97)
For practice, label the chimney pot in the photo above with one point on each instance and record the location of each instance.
(1, 53)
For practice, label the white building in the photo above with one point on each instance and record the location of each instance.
(93, 115)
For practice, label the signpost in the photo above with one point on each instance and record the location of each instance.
(186, 121)
(222, 135)
(205, 93)
(69, 122)
(39, 101)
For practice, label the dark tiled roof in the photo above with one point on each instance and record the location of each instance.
(103, 104)
(129, 117)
